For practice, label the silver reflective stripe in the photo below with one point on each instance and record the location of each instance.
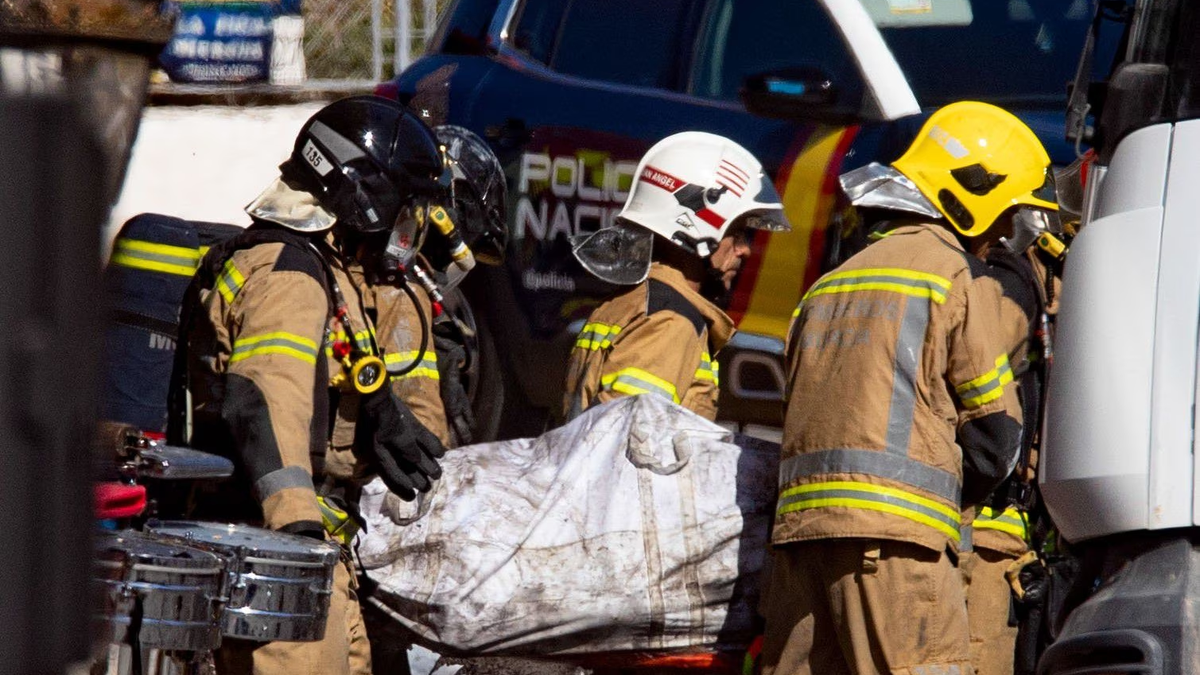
(872, 463)
(862, 495)
(966, 538)
(909, 344)
(342, 148)
(282, 479)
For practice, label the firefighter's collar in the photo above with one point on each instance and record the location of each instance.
(720, 326)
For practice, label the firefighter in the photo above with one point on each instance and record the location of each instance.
(258, 380)
(901, 408)
(1002, 572)
(470, 228)
(679, 242)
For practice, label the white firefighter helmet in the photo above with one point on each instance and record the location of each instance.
(690, 189)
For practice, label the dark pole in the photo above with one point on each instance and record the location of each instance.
(73, 76)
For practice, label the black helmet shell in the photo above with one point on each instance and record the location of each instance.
(364, 158)
(478, 190)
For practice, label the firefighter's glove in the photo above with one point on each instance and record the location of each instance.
(403, 451)
(452, 358)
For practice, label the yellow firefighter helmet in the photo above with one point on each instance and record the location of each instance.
(974, 161)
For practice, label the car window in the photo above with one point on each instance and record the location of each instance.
(739, 38)
(634, 42)
(1011, 52)
(536, 28)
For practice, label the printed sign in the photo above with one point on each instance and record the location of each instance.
(224, 42)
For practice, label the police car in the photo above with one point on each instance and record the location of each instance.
(570, 94)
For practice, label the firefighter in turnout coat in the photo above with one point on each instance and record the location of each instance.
(900, 409)
(679, 241)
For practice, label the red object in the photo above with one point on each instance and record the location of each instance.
(388, 90)
(114, 500)
(437, 309)
(341, 350)
(660, 663)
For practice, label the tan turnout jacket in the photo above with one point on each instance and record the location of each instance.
(892, 358)
(260, 366)
(659, 337)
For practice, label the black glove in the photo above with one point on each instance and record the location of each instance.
(403, 451)
(451, 355)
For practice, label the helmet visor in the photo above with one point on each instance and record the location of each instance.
(767, 212)
(771, 220)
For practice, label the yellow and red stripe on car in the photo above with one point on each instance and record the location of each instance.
(786, 264)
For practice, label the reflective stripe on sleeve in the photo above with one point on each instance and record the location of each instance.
(634, 381)
(1010, 521)
(362, 340)
(282, 479)
(597, 336)
(400, 360)
(229, 284)
(279, 342)
(855, 495)
(145, 255)
(709, 369)
(895, 280)
(987, 387)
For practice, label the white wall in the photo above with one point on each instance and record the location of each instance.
(206, 162)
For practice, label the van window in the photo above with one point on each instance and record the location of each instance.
(739, 38)
(536, 28)
(634, 42)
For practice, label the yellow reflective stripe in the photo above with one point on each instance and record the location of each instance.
(428, 367)
(895, 280)
(851, 494)
(279, 342)
(229, 284)
(1011, 521)
(634, 381)
(709, 369)
(420, 371)
(595, 336)
(145, 255)
(987, 387)
(362, 340)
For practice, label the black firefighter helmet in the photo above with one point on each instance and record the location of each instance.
(369, 161)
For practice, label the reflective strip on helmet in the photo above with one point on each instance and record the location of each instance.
(866, 496)
(279, 342)
(145, 255)
(1010, 521)
(987, 387)
(709, 369)
(886, 465)
(230, 283)
(400, 360)
(597, 336)
(895, 280)
(634, 381)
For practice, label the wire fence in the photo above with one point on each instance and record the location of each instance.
(346, 40)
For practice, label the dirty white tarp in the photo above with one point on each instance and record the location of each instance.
(638, 526)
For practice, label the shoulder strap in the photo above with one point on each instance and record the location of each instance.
(660, 297)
